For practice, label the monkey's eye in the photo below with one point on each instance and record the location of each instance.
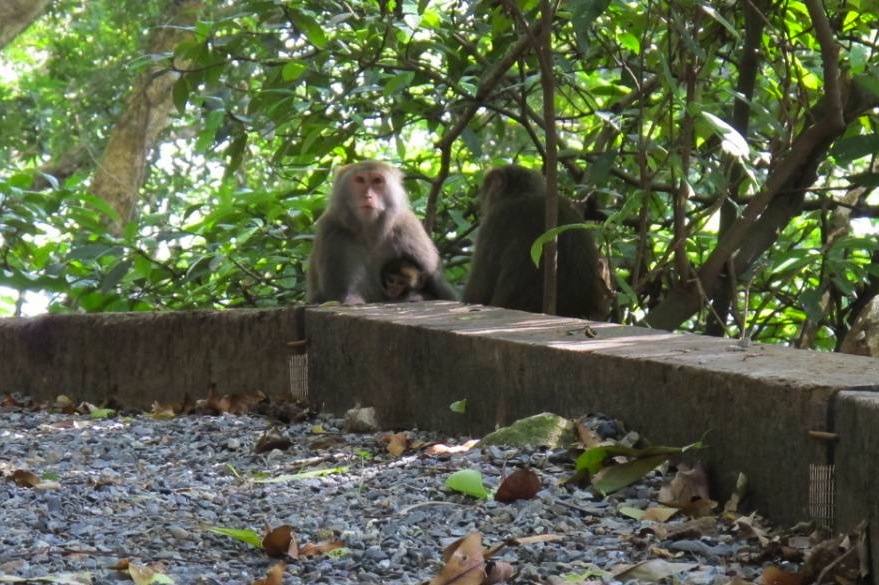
(359, 179)
(378, 180)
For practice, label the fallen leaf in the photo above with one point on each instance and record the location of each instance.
(775, 576)
(467, 481)
(522, 484)
(397, 443)
(162, 411)
(653, 570)
(242, 535)
(732, 505)
(280, 541)
(439, 449)
(274, 576)
(616, 477)
(271, 439)
(143, 574)
(659, 513)
(588, 437)
(465, 564)
(498, 572)
(24, 478)
(688, 484)
(320, 548)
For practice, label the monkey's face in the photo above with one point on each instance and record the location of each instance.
(368, 193)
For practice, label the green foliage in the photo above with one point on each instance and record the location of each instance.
(273, 95)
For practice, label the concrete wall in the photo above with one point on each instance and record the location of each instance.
(137, 358)
(757, 404)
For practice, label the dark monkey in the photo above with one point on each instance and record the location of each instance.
(367, 224)
(502, 274)
(403, 280)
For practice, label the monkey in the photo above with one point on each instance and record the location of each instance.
(403, 280)
(502, 274)
(367, 224)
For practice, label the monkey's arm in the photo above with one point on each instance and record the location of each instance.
(413, 243)
(339, 266)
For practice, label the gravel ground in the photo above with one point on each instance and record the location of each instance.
(149, 490)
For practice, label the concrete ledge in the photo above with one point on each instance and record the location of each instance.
(136, 358)
(758, 404)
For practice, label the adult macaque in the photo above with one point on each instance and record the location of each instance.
(366, 225)
(502, 274)
(403, 280)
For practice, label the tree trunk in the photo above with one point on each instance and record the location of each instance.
(17, 15)
(863, 337)
(120, 172)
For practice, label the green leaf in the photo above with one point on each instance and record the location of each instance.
(243, 535)
(398, 82)
(303, 475)
(731, 141)
(459, 406)
(615, 477)
(845, 150)
(537, 246)
(292, 70)
(180, 94)
(311, 29)
(469, 482)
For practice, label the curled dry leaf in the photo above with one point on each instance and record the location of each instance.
(397, 443)
(688, 484)
(688, 490)
(498, 572)
(24, 478)
(465, 564)
(775, 576)
(143, 574)
(280, 541)
(440, 449)
(274, 576)
(522, 484)
(310, 550)
(271, 439)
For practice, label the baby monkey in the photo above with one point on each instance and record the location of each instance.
(404, 281)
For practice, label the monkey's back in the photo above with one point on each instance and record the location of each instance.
(506, 235)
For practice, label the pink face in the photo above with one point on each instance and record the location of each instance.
(369, 192)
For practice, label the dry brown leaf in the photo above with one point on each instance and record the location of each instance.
(652, 570)
(519, 541)
(588, 437)
(271, 439)
(775, 576)
(143, 574)
(465, 564)
(120, 565)
(320, 548)
(659, 513)
(688, 484)
(732, 505)
(397, 443)
(522, 484)
(440, 449)
(498, 572)
(162, 411)
(280, 541)
(274, 576)
(8, 401)
(24, 478)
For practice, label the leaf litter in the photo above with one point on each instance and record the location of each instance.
(378, 507)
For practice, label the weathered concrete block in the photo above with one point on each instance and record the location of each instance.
(757, 404)
(856, 419)
(136, 358)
